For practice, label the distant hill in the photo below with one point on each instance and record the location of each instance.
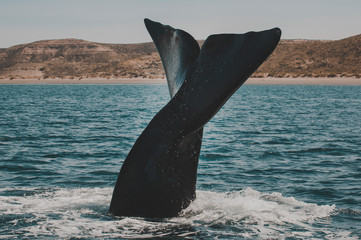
(306, 58)
(73, 58)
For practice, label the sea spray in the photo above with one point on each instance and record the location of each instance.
(82, 212)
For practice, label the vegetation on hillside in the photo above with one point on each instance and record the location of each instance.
(73, 58)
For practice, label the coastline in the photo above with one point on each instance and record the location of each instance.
(305, 81)
(250, 81)
(82, 81)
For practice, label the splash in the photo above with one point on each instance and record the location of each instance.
(82, 212)
(258, 215)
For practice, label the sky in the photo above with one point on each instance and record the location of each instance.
(121, 21)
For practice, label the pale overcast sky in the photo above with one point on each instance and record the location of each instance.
(121, 21)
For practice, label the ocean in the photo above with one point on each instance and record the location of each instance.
(277, 162)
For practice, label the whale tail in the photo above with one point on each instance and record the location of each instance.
(158, 176)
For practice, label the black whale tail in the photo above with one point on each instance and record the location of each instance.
(211, 75)
(207, 78)
(158, 176)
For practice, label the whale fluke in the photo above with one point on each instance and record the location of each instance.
(158, 176)
(177, 50)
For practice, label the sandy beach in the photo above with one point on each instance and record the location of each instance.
(83, 81)
(305, 81)
(253, 81)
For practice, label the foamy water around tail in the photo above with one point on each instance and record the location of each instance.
(82, 212)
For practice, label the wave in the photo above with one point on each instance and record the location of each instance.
(82, 212)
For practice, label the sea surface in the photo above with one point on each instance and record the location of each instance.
(277, 162)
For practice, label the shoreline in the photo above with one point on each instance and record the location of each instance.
(250, 81)
(305, 81)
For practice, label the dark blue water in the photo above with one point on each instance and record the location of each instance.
(280, 162)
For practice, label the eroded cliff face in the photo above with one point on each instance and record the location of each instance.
(305, 58)
(73, 58)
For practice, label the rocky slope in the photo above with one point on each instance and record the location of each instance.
(73, 58)
(299, 58)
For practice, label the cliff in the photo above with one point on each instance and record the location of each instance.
(73, 58)
(305, 58)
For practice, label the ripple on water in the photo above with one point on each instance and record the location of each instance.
(298, 141)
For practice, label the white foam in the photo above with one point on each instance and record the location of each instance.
(267, 214)
(82, 212)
